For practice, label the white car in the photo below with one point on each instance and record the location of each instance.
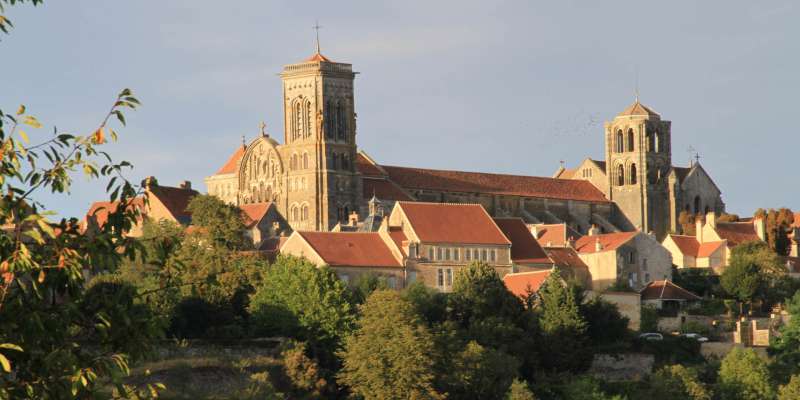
(651, 336)
(695, 336)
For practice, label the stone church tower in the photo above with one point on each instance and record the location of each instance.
(319, 143)
(638, 162)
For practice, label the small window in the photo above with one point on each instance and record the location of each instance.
(493, 255)
(644, 265)
(440, 277)
(632, 258)
(620, 144)
(647, 278)
(467, 254)
(475, 254)
(447, 254)
(455, 254)
(630, 140)
(438, 253)
(633, 174)
(449, 272)
(483, 255)
(392, 282)
(430, 253)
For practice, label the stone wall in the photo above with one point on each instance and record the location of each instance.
(628, 304)
(622, 367)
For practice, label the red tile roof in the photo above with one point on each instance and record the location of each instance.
(524, 247)
(383, 189)
(737, 233)
(452, 223)
(99, 210)
(354, 249)
(523, 284)
(666, 290)
(499, 184)
(366, 167)
(796, 222)
(253, 213)
(609, 241)
(565, 257)
(398, 237)
(318, 57)
(232, 165)
(689, 245)
(554, 235)
(176, 200)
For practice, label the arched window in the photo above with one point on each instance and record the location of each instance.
(294, 213)
(619, 144)
(341, 122)
(307, 115)
(630, 140)
(304, 215)
(305, 160)
(293, 163)
(633, 174)
(696, 204)
(297, 121)
(620, 175)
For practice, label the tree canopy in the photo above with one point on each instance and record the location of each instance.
(744, 376)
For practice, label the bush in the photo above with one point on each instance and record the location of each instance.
(694, 327)
(708, 307)
(303, 372)
(195, 317)
(649, 319)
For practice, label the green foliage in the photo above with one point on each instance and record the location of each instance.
(519, 390)
(563, 329)
(481, 373)
(221, 223)
(676, 382)
(744, 376)
(791, 390)
(605, 325)
(753, 269)
(478, 292)
(303, 372)
(431, 305)
(42, 351)
(694, 327)
(299, 300)
(390, 354)
(700, 281)
(585, 388)
(648, 322)
(785, 347)
(365, 284)
(778, 224)
(621, 285)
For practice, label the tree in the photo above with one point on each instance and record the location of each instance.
(562, 327)
(365, 284)
(676, 382)
(302, 301)
(605, 325)
(785, 347)
(481, 373)
(585, 388)
(744, 376)
(431, 305)
(222, 223)
(302, 371)
(519, 390)
(791, 390)
(390, 354)
(753, 268)
(700, 281)
(478, 292)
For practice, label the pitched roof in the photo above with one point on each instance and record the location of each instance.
(554, 235)
(100, 210)
(688, 245)
(524, 247)
(398, 237)
(737, 233)
(565, 257)
(254, 212)
(452, 223)
(608, 241)
(355, 249)
(176, 200)
(638, 109)
(600, 164)
(666, 290)
(317, 57)
(367, 167)
(524, 283)
(500, 184)
(232, 165)
(682, 172)
(567, 173)
(383, 189)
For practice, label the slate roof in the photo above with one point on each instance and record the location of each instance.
(355, 249)
(452, 223)
(524, 247)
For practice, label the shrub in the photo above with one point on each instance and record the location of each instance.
(303, 372)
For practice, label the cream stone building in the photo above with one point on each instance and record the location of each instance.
(317, 177)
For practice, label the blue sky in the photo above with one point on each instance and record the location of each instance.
(496, 86)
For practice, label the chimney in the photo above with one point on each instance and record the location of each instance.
(761, 229)
(698, 229)
(353, 219)
(594, 231)
(597, 245)
(186, 185)
(571, 242)
(711, 219)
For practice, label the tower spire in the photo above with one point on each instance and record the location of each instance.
(316, 28)
(636, 89)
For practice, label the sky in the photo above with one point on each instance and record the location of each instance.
(494, 86)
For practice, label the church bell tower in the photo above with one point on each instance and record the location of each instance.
(320, 143)
(638, 161)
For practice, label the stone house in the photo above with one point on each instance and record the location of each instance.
(664, 294)
(632, 257)
(712, 243)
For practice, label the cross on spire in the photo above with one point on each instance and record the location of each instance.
(316, 28)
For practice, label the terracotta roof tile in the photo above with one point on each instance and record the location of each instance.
(500, 184)
(567, 173)
(666, 290)
(99, 210)
(383, 189)
(176, 200)
(638, 109)
(524, 283)
(355, 249)
(737, 233)
(565, 257)
(254, 212)
(609, 241)
(554, 235)
(524, 247)
(232, 165)
(689, 245)
(452, 223)
(317, 57)
(367, 167)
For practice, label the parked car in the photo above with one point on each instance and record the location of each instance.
(696, 336)
(651, 336)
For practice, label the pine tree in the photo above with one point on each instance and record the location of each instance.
(562, 327)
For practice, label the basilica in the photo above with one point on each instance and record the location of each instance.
(318, 179)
